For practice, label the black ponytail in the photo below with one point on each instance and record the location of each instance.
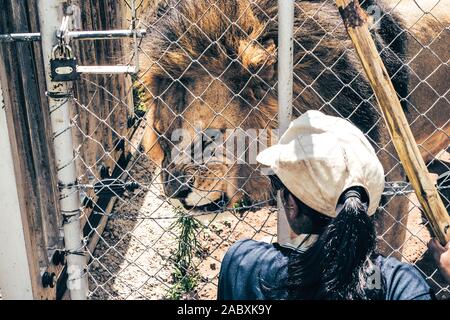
(339, 263)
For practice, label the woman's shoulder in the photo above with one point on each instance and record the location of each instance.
(250, 253)
(247, 245)
(248, 267)
(403, 281)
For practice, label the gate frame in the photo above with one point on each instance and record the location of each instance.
(22, 276)
(24, 107)
(30, 188)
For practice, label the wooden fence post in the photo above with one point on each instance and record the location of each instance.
(27, 121)
(15, 269)
(356, 23)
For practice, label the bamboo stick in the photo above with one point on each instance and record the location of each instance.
(356, 23)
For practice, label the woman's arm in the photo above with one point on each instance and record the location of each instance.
(441, 255)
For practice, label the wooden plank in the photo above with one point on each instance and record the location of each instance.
(30, 145)
(14, 90)
(135, 137)
(356, 23)
(86, 53)
(22, 70)
(116, 155)
(15, 275)
(51, 180)
(103, 16)
(40, 136)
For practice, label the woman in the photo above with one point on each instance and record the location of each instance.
(331, 184)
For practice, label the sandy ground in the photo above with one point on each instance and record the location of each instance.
(133, 258)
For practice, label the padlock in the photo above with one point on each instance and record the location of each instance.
(63, 68)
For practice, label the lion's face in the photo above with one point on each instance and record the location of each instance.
(209, 74)
(210, 89)
(210, 78)
(207, 138)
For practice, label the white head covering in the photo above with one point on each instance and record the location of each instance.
(319, 157)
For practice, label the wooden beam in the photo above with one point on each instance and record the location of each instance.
(15, 269)
(30, 143)
(356, 23)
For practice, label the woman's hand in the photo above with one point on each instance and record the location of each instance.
(442, 257)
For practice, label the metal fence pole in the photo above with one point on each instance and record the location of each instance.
(285, 89)
(60, 104)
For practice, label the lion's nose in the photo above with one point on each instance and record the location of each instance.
(182, 192)
(176, 186)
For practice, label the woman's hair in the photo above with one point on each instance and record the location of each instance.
(338, 265)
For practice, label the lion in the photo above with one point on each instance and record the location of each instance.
(212, 65)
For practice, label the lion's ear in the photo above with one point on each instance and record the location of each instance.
(255, 56)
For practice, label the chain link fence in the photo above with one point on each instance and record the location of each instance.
(166, 164)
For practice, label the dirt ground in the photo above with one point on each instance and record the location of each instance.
(133, 258)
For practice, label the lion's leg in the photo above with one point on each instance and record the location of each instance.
(254, 188)
(392, 221)
(235, 195)
(433, 144)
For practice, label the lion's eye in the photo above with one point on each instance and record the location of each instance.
(191, 180)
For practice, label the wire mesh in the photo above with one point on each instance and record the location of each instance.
(160, 223)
